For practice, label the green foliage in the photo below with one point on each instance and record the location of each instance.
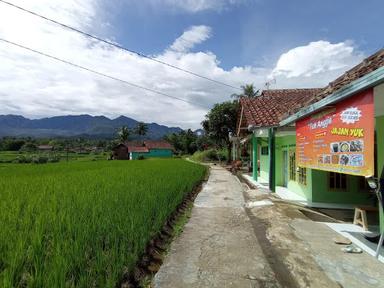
(39, 159)
(28, 147)
(141, 129)
(124, 133)
(12, 144)
(220, 122)
(210, 155)
(185, 142)
(82, 224)
(248, 91)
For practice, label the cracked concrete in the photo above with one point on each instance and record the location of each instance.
(264, 243)
(218, 247)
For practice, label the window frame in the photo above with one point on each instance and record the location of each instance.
(264, 151)
(335, 188)
(292, 165)
(302, 175)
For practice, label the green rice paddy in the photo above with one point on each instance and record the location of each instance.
(84, 224)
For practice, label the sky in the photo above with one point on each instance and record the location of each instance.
(288, 44)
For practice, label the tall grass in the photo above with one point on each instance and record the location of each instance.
(83, 224)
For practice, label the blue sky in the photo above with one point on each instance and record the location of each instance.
(252, 32)
(290, 44)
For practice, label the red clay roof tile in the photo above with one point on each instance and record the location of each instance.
(267, 109)
(138, 149)
(150, 144)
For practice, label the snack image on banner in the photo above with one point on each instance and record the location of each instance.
(339, 138)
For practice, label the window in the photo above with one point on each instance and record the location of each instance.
(264, 150)
(302, 175)
(337, 181)
(292, 166)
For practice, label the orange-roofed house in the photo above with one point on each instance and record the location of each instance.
(318, 146)
(148, 149)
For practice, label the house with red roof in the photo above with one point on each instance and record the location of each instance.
(318, 145)
(261, 114)
(143, 149)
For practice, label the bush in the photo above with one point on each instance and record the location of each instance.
(210, 155)
(39, 159)
(23, 159)
(54, 159)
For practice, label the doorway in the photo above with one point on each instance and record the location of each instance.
(285, 168)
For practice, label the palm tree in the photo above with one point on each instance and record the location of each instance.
(141, 129)
(124, 133)
(248, 91)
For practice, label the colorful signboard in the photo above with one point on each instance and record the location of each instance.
(339, 138)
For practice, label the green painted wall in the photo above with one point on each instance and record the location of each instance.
(352, 195)
(254, 157)
(288, 143)
(160, 153)
(380, 155)
(153, 153)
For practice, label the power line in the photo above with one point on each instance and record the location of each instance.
(119, 46)
(99, 73)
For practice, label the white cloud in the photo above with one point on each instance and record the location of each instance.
(35, 86)
(194, 6)
(318, 60)
(191, 37)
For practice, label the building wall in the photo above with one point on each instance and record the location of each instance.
(136, 155)
(160, 153)
(288, 143)
(380, 155)
(378, 93)
(121, 153)
(153, 153)
(352, 195)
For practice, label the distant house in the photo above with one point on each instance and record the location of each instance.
(147, 149)
(120, 152)
(137, 151)
(159, 148)
(45, 148)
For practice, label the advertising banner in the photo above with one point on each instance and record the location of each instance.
(339, 138)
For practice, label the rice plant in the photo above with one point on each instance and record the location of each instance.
(84, 224)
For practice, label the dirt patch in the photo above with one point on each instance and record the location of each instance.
(318, 217)
(290, 255)
(274, 258)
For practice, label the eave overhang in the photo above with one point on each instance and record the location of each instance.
(370, 80)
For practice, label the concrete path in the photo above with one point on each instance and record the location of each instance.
(218, 247)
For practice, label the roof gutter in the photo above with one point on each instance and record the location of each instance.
(252, 128)
(367, 81)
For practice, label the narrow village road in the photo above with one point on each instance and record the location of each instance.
(218, 247)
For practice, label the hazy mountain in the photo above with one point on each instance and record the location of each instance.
(75, 125)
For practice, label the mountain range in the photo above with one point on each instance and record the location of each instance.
(75, 125)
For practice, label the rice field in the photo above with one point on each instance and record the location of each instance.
(84, 224)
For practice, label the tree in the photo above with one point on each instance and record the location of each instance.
(220, 122)
(184, 142)
(124, 133)
(141, 129)
(248, 91)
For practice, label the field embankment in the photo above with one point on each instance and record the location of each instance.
(84, 224)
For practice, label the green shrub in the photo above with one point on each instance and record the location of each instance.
(39, 159)
(23, 159)
(210, 155)
(53, 159)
